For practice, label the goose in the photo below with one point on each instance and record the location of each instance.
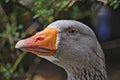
(71, 45)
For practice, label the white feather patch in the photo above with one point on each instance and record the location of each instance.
(50, 58)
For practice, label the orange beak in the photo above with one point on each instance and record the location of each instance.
(42, 43)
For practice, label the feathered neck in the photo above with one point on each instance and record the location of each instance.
(84, 74)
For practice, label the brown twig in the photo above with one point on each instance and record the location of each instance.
(70, 4)
(22, 6)
(17, 62)
(33, 67)
(66, 8)
(3, 16)
(111, 44)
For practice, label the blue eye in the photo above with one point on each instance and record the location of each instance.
(72, 31)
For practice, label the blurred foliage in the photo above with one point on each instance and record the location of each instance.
(53, 8)
(49, 10)
(113, 3)
(16, 19)
(7, 51)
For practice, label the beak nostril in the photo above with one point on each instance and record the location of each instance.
(39, 39)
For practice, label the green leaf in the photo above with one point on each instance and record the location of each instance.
(7, 1)
(104, 1)
(116, 5)
(36, 16)
(112, 3)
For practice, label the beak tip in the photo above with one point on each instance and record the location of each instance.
(19, 44)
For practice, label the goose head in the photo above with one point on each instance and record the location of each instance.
(71, 45)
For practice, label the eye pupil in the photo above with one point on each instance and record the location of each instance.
(72, 31)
